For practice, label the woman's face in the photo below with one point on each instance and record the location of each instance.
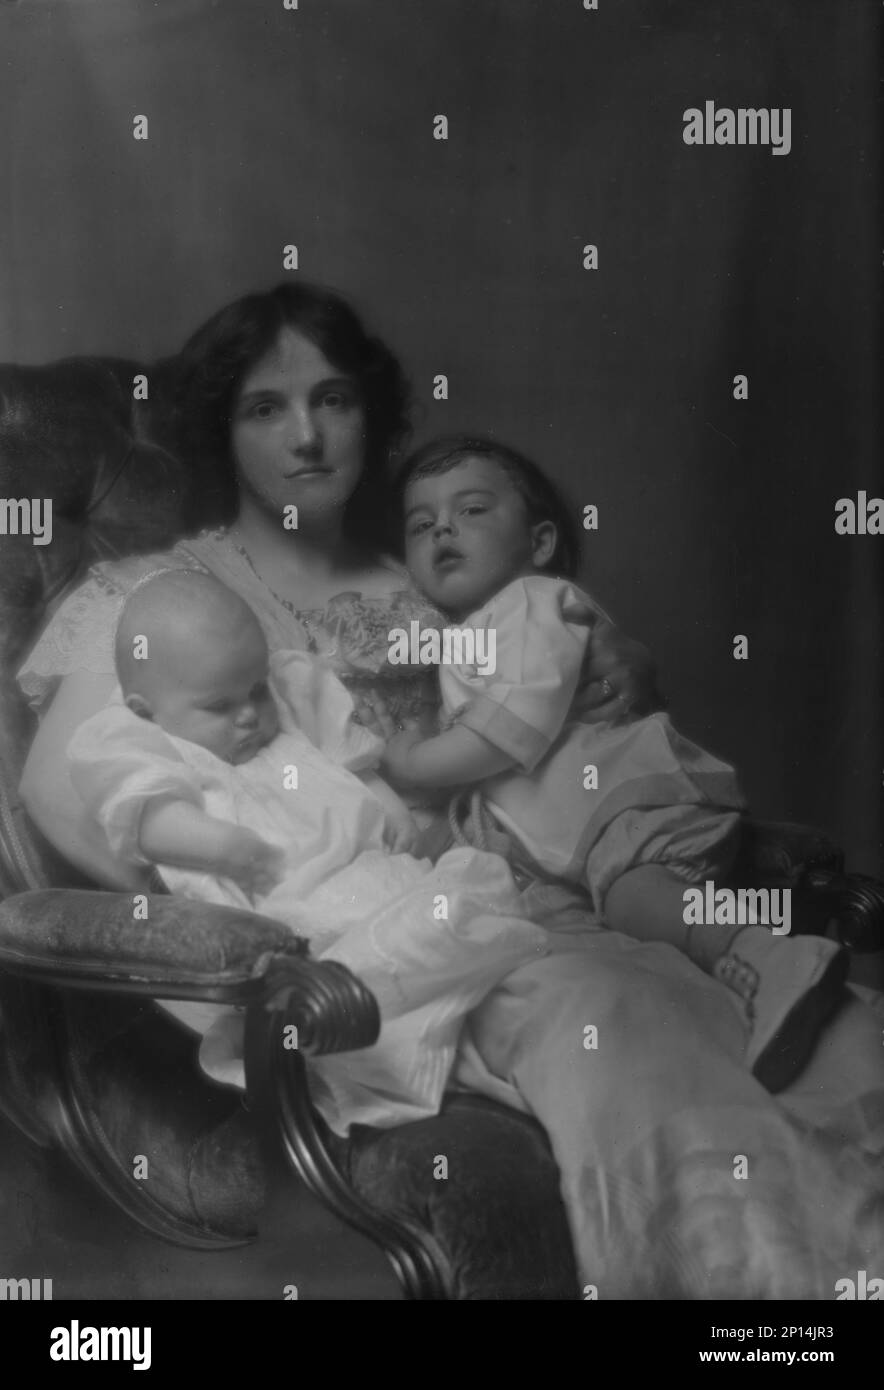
(298, 432)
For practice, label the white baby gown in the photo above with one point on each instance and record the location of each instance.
(429, 941)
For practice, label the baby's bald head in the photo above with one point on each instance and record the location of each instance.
(191, 655)
(167, 622)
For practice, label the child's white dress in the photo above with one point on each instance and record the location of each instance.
(584, 802)
(429, 941)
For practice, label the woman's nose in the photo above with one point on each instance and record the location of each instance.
(303, 430)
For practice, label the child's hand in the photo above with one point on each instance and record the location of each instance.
(252, 863)
(373, 714)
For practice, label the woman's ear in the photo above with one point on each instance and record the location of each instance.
(544, 539)
(138, 705)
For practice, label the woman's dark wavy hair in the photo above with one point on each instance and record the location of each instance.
(543, 501)
(211, 367)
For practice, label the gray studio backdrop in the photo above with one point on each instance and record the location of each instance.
(314, 127)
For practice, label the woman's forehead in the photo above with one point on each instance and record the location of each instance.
(292, 358)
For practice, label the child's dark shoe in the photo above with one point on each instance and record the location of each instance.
(789, 988)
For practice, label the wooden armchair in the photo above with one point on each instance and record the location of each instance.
(88, 1064)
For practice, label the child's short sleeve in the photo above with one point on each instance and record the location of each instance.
(117, 764)
(540, 629)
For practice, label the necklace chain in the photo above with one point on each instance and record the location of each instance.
(300, 614)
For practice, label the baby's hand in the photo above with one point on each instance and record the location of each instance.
(401, 835)
(252, 863)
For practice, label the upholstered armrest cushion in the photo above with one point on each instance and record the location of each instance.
(93, 940)
(148, 944)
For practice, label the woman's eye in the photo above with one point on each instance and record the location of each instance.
(264, 410)
(337, 400)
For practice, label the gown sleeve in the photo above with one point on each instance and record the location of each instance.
(312, 700)
(542, 628)
(79, 635)
(118, 762)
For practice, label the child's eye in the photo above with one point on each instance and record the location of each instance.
(474, 509)
(418, 527)
(218, 707)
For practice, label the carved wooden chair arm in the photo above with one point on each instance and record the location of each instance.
(180, 949)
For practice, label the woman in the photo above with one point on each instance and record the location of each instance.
(624, 1052)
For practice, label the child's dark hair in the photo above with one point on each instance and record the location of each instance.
(543, 501)
(210, 370)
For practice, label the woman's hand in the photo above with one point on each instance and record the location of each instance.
(619, 679)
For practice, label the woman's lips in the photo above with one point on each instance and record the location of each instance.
(312, 472)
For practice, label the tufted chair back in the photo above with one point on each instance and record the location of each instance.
(72, 432)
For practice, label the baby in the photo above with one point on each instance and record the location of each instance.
(246, 781)
(632, 812)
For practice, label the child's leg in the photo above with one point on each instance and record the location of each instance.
(647, 903)
(786, 989)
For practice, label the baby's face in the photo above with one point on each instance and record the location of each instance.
(467, 534)
(221, 699)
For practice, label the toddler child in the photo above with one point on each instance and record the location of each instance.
(246, 781)
(631, 811)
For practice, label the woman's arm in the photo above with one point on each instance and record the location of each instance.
(49, 796)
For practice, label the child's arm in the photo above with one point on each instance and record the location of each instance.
(456, 758)
(508, 716)
(179, 834)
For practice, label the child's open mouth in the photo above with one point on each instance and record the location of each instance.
(447, 558)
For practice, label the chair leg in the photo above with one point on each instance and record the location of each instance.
(279, 1100)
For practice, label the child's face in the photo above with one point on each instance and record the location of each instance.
(467, 535)
(220, 699)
